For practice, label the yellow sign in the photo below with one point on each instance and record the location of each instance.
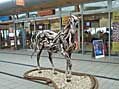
(65, 20)
(115, 17)
(20, 2)
(115, 46)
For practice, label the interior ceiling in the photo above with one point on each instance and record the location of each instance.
(34, 5)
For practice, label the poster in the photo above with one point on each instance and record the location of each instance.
(98, 48)
(115, 16)
(65, 20)
(115, 46)
(115, 31)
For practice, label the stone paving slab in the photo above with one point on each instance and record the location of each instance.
(95, 68)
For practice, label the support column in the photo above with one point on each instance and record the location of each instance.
(23, 36)
(109, 26)
(34, 26)
(77, 9)
(82, 24)
(15, 34)
(60, 18)
(0, 40)
(79, 41)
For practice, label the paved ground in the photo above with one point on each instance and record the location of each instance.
(13, 64)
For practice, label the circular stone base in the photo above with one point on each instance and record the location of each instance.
(78, 80)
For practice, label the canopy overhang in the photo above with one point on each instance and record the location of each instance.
(9, 7)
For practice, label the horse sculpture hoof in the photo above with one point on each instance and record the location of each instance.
(68, 80)
(55, 73)
(39, 71)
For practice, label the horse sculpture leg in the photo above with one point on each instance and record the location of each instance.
(34, 46)
(33, 52)
(68, 66)
(68, 73)
(50, 58)
(38, 58)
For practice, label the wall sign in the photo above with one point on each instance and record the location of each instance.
(65, 19)
(20, 2)
(46, 12)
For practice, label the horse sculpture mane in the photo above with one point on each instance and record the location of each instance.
(63, 41)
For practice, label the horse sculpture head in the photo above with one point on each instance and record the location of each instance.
(70, 33)
(74, 20)
(72, 24)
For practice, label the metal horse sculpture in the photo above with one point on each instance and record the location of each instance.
(63, 41)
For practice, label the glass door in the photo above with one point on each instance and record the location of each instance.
(95, 25)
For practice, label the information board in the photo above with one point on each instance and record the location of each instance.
(98, 48)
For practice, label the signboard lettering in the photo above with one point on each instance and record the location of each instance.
(46, 12)
(20, 2)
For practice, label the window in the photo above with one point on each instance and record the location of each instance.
(95, 5)
(70, 8)
(115, 3)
